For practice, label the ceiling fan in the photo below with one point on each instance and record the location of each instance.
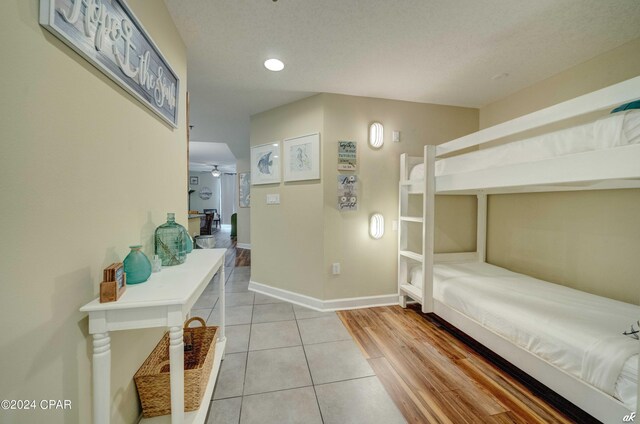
(209, 167)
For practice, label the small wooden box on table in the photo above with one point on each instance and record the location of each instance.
(163, 301)
(114, 283)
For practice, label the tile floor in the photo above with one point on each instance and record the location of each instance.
(288, 364)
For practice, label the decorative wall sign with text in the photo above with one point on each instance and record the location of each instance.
(347, 192)
(347, 155)
(110, 37)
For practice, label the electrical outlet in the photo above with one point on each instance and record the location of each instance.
(335, 268)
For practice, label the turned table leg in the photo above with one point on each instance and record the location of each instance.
(176, 374)
(101, 378)
(222, 303)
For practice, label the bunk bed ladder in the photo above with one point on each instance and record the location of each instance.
(409, 259)
(403, 206)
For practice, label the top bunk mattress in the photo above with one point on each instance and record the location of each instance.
(576, 331)
(615, 130)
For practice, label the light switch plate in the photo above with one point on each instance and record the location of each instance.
(396, 136)
(273, 199)
(394, 225)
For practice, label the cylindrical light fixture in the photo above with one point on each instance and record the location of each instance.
(376, 135)
(376, 226)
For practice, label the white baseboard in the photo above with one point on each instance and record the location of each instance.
(243, 246)
(324, 305)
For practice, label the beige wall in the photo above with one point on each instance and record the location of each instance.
(586, 240)
(606, 69)
(287, 239)
(368, 266)
(86, 170)
(295, 243)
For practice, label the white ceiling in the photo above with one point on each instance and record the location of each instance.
(203, 156)
(436, 51)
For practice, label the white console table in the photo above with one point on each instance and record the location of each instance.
(162, 301)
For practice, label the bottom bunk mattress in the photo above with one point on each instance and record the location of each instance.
(577, 332)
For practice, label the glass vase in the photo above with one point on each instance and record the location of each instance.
(137, 266)
(188, 241)
(171, 245)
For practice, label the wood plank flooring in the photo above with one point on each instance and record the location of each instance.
(235, 256)
(433, 377)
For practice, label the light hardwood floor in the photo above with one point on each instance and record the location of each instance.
(235, 256)
(433, 377)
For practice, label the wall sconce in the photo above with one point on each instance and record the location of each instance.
(215, 171)
(376, 226)
(376, 135)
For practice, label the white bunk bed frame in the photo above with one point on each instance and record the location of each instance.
(602, 169)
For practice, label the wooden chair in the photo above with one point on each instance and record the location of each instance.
(205, 224)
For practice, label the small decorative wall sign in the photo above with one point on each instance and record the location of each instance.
(347, 155)
(205, 193)
(302, 158)
(265, 163)
(194, 180)
(108, 35)
(347, 192)
(244, 189)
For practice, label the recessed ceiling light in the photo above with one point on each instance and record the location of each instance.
(274, 65)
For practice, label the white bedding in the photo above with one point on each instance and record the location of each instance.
(578, 332)
(618, 129)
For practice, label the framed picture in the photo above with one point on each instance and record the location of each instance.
(265, 163)
(302, 158)
(244, 189)
(194, 180)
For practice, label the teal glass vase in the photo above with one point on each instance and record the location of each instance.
(137, 266)
(188, 240)
(171, 245)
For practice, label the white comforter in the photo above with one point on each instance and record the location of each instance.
(578, 332)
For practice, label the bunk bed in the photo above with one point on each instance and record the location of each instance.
(568, 340)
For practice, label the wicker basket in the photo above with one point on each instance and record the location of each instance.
(152, 379)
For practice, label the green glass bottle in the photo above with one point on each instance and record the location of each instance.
(171, 245)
